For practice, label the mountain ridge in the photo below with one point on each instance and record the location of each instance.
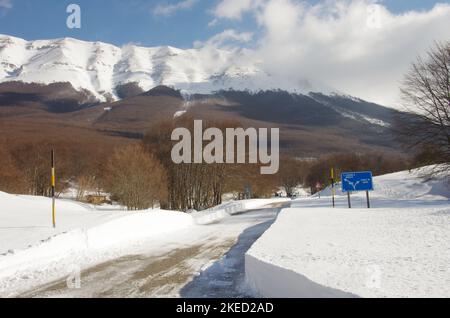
(102, 68)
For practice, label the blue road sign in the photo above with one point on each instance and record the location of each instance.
(357, 181)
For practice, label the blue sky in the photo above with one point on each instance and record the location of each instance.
(120, 22)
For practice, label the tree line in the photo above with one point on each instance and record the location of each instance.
(141, 175)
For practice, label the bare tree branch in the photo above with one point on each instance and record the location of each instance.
(426, 96)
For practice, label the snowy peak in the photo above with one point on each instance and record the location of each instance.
(100, 67)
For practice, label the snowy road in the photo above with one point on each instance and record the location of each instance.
(204, 261)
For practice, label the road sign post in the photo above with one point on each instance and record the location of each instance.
(53, 181)
(333, 193)
(357, 182)
(349, 200)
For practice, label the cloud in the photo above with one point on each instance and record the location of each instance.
(355, 46)
(234, 9)
(170, 9)
(226, 37)
(5, 4)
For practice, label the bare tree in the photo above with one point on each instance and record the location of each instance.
(135, 177)
(426, 95)
(12, 180)
(33, 160)
(292, 174)
(84, 184)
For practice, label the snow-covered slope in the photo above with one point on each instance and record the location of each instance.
(100, 67)
(399, 248)
(26, 221)
(404, 185)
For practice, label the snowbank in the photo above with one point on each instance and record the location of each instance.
(84, 237)
(398, 249)
(222, 211)
(27, 220)
(271, 281)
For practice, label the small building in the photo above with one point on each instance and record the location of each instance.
(97, 199)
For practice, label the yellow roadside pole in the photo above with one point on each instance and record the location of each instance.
(333, 192)
(53, 189)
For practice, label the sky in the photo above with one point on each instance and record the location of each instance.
(178, 23)
(360, 47)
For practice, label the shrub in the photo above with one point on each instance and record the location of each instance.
(135, 178)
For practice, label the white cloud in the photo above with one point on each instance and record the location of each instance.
(225, 37)
(5, 4)
(355, 46)
(233, 9)
(169, 9)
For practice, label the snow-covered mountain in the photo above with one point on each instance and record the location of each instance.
(101, 68)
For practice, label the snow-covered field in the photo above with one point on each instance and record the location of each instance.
(400, 248)
(32, 253)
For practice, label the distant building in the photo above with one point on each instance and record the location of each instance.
(97, 199)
